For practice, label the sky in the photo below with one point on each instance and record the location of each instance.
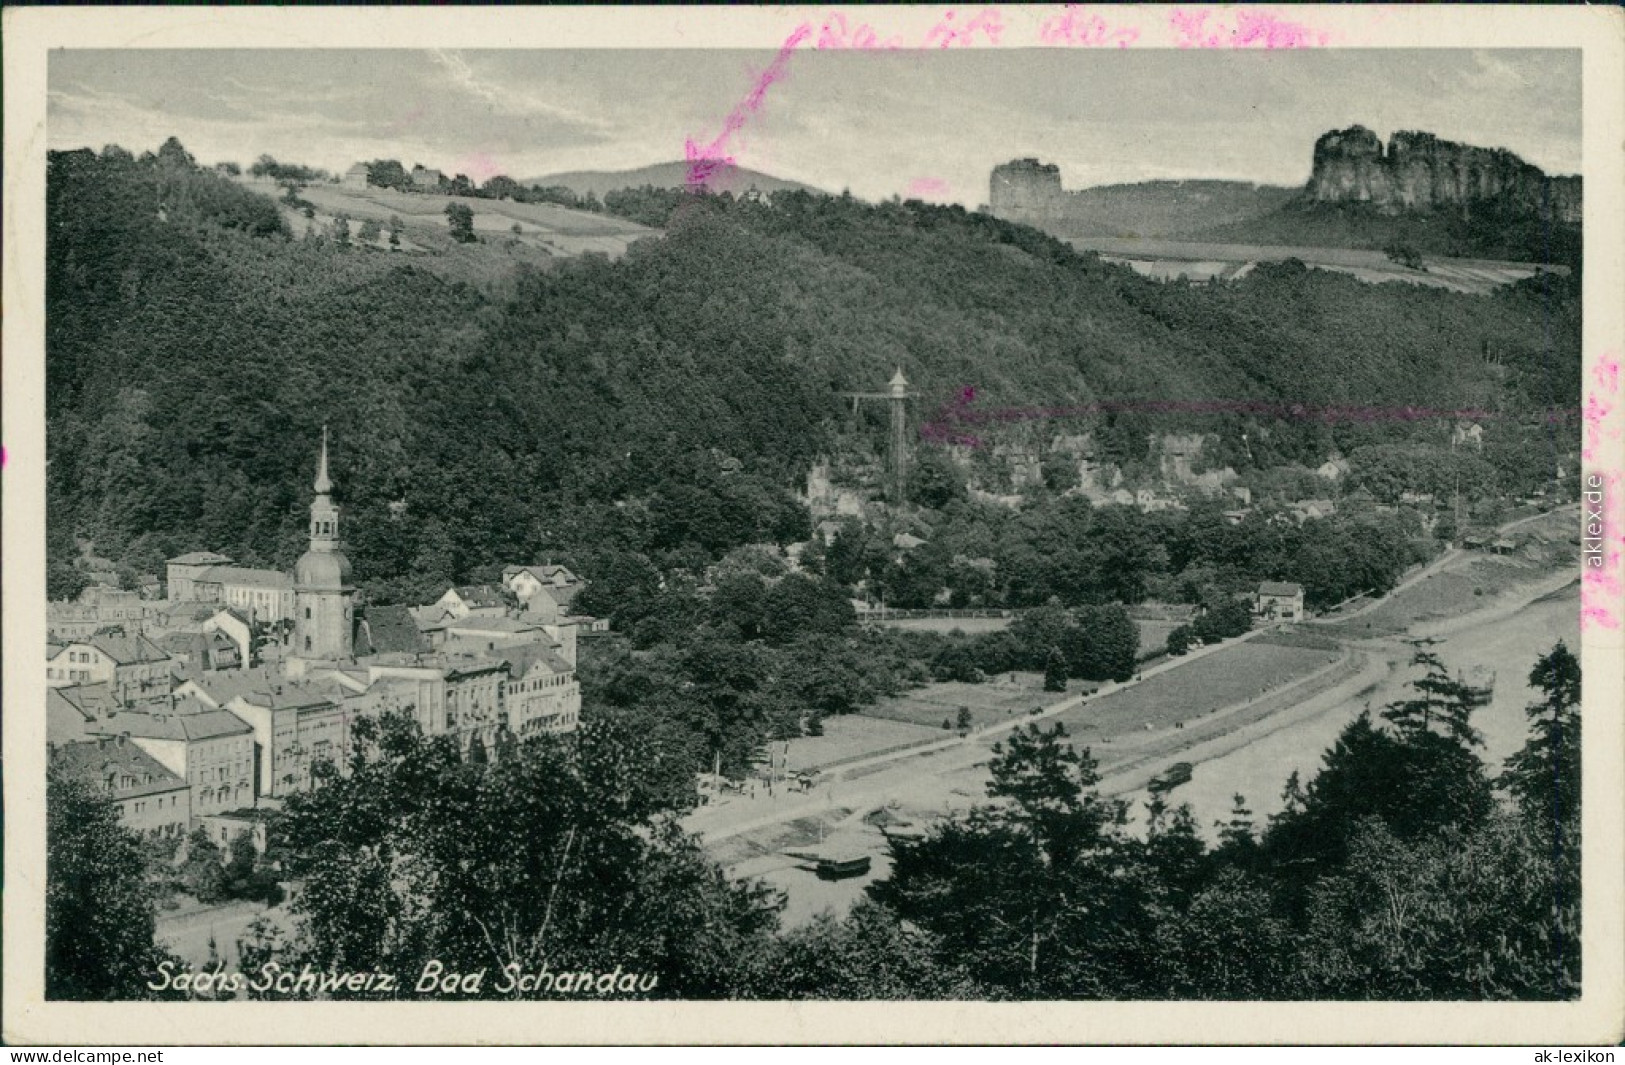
(925, 123)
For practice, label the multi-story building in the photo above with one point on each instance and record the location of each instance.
(261, 595)
(134, 666)
(477, 634)
(150, 798)
(97, 609)
(211, 750)
(475, 710)
(542, 694)
(297, 724)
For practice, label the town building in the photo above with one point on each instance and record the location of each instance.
(1279, 601)
(134, 666)
(150, 798)
(211, 750)
(471, 600)
(322, 590)
(201, 650)
(356, 176)
(98, 608)
(479, 633)
(425, 179)
(545, 592)
(542, 694)
(296, 724)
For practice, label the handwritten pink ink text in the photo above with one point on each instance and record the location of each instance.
(956, 31)
(1081, 29)
(1246, 29)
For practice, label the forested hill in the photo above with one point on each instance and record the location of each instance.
(195, 348)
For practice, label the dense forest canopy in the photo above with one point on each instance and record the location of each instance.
(194, 349)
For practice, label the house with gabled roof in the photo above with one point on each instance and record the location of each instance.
(150, 798)
(541, 694)
(1280, 601)
(134, 666)
(460, 601)
(212, 750)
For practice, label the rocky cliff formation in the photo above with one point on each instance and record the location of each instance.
(1419, 172)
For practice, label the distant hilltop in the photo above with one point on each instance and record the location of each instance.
(1440, 197)
(734, 179)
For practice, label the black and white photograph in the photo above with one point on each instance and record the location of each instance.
(1047, 507)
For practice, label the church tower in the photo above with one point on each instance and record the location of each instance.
(321, 580)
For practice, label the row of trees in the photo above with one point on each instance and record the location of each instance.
(390, 174)
(1395, 873)
(984, 555)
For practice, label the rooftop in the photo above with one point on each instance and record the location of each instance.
(131, 771)
(1280, 588)
(205, 724)
(510, 626)
(523, 659)
(200, 558)
(479, 594)
(258, 578)
(126, 650)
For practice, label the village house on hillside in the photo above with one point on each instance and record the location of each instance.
(1279, 601)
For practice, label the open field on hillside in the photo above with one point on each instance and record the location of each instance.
(848, 736)
(1168, 259)
(1251, 670)
(544, 227)
(989, 703)
(945, 625)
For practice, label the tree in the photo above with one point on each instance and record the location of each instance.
(1229, 943)
(865, 956)
(1444, 702)
(460, 218)
(1055, 671)
(396, 227)
(99, 922)
(204, 873)
(1405, 255)
(1107, 643)
(1038, 894)
(1179, 640)
(1225, 616)
(933, 480)
(560, 855)
(1483, 913)
(370, 231)
(1544, 776)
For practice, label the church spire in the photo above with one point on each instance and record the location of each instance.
(323, 485)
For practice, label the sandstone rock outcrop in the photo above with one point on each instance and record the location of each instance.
(1418, 171)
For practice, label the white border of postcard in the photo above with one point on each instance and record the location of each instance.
(1598, 1017)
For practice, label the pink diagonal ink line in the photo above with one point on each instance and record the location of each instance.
(704, 161)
